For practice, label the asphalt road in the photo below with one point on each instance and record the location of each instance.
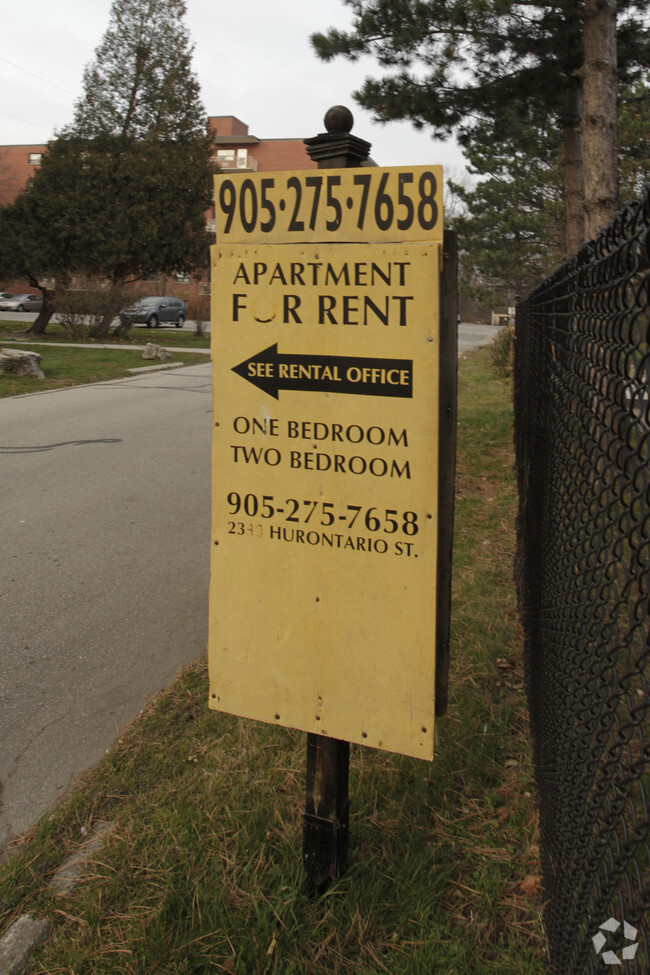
(29, 316)
(103, 572)
(470, 335)
(104, 567)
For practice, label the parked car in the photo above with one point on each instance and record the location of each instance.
(21, 303)
(5, 295)
(154, 311)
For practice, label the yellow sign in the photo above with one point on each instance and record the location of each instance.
(325, 452)
(367, 204)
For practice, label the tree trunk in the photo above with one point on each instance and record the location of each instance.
(574, 216)
(42, 320)
(599, 122)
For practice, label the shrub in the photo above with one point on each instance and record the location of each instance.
(90, 312)
(198, 310)
(71, 313)
(502, 351)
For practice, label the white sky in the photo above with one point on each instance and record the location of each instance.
(252, 58)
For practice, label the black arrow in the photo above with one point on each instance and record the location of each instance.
(271, 371)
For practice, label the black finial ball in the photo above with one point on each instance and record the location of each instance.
(339, 119)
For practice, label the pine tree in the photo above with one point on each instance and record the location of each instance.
(451, 64)
(141, 84)
(509, 234)
(599, 115)
(634, 139)
(122, 192)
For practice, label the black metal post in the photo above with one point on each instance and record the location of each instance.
(327, 811)
(327, 805)
(447, 407)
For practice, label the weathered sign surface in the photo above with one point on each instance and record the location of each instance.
(367, 205)
(325, 454)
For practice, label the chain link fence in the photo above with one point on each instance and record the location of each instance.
(582, 431)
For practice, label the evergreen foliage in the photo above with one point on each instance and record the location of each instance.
(122, 192)
(634, 138)
(510, 228)
(457, 65)
(510, 231)
(113, 207)
(450, 62)
(140, 84)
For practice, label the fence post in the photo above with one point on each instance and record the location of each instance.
(447, 406)
(327, 805)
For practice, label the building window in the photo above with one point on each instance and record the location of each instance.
(35, 158)
(235, 159)
(226, 157)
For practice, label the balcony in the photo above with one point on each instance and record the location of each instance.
(239, 162)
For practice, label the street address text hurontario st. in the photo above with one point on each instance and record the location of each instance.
(314, 292)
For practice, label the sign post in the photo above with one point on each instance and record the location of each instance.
(325, 606)
(327, 803)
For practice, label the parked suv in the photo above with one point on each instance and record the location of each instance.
(154, 311)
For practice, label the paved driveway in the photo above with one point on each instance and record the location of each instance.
(104, 569)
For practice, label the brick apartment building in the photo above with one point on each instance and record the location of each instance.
(235, 149)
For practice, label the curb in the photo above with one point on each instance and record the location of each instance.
(70, 874)
(22, 939)
(163, 365)
(29, 932)
(99, 345)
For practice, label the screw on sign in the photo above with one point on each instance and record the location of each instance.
(610, 957)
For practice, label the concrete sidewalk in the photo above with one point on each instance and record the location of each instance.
(100, 345)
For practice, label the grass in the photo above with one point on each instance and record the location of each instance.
(166, 335)
(202, 872)
(66, 366)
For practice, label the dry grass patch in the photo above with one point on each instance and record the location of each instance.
(203, 871)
